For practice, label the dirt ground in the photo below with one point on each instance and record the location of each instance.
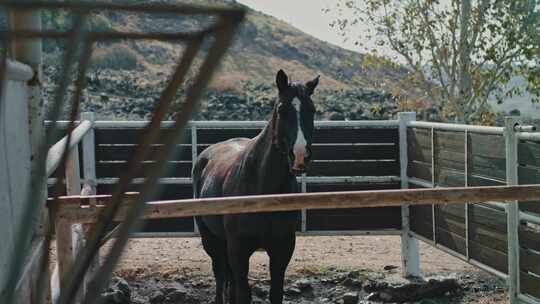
(152, 266)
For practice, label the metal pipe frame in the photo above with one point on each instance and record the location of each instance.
(211, 124)
(54, 156)
(381, 232)
(456, 127)
(18, 71)
(461, 256)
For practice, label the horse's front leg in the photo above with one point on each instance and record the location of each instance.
(239, 251)
(280, 252)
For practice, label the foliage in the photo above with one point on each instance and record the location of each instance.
(117, 57)
(461, 51)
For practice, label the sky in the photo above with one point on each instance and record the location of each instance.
(305, 15)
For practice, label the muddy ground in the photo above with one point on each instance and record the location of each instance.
(323, 270)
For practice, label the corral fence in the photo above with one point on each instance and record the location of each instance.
(503, 239)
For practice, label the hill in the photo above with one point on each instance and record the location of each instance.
(131, 73)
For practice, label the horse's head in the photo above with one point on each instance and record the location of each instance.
(294, 114)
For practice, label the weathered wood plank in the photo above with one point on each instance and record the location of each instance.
(529, 237)
(489, 256)
(419, 170)
(126, 152)
(450, 141)
(355, 135)
(449, 178)
(488, 237)
(486, 145)
(529, 284)
(132, 136)
(478, 181)
(529, 175)
(494, 168)
(117, 169)
(449, 223)
(419, 136)
(353, 168)
(457, 211)
(167, 191)
(354, 219)
(529, 153)
(422, 227)
(529, 261)
(488, 217)
(212, 136)
(332, 187)
(354, 152)
(450, 240)
(328, 200)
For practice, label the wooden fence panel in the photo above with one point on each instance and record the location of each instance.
(487, 156)
(132, 136)
(529, 284)
(353, 219)
(336, 152)
(529, 175)
(487, 236)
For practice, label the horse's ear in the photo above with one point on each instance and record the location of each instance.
(312, 84)
(282, 81)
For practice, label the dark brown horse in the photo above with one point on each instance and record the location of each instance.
(266, 164)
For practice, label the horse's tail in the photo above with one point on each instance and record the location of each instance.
(196, 174)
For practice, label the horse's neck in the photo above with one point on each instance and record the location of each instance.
(268, 161)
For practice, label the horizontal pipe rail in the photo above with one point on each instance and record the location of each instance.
(528, 217)
(456, 127)
(54, 156)
(240, 124)
(533, 136)
(71, 210)
(379, 232)
(307, 179)
(18, 71)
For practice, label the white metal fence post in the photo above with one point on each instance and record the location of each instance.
(194, 155)
(90, 181)
(410, 257)
(512, 210)
(71, 236)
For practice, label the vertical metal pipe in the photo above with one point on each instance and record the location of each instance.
(466, 172)
(512, 209)
(90, 183)
(303, 212)
(194, 156)
(410, 254)
(433, 168)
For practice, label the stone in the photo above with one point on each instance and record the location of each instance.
(350, 298)
(390, 267)
(259, 291)
(374, 296)
(157, 297)
(292, 292)
(303, 285)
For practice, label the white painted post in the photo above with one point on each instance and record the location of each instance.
(194, 156)
(410, 254)
(73, 187)
(512, 210)
(90, 183)
(303, 212)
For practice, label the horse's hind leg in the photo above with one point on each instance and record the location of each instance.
(280, 252)
(216, 248)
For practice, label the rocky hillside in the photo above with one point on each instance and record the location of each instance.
(127, 76)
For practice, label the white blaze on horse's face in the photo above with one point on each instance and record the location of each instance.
(299, 148)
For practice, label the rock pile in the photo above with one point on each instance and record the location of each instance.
(132, 96)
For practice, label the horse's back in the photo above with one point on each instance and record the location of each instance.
(212, 168)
